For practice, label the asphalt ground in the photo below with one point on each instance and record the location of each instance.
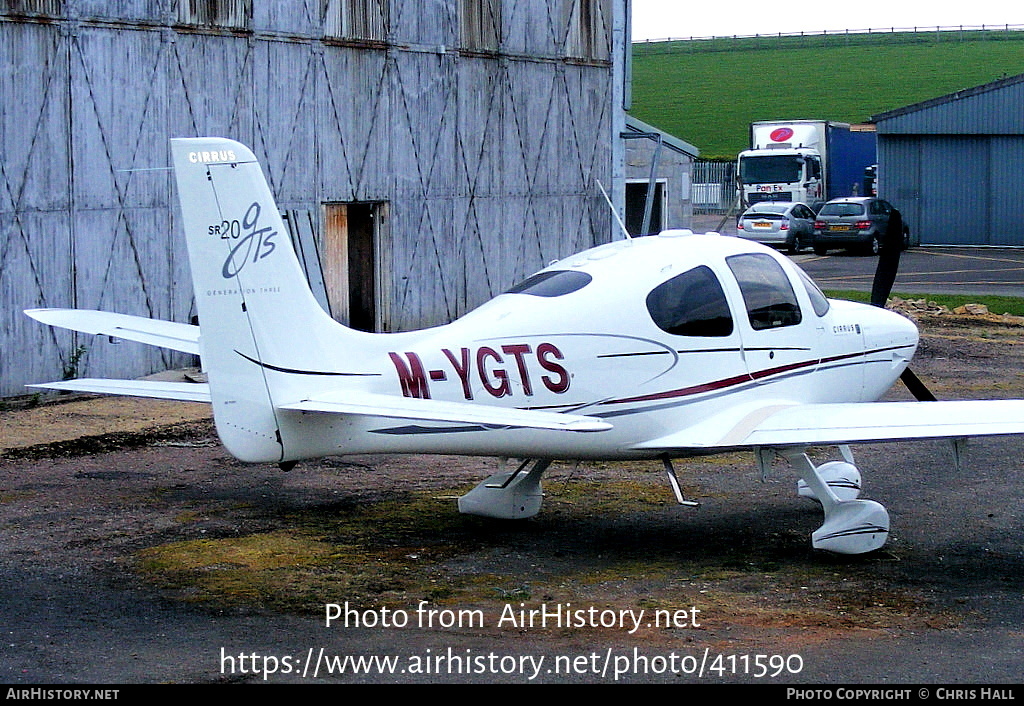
(939, 606)
(923, 269)
(926, 270)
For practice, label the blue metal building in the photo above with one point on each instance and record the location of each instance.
(952, 165)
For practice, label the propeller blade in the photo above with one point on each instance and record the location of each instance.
(916, 387)
(885, 276)
(888, 260)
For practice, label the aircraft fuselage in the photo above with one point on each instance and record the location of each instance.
(628, 338)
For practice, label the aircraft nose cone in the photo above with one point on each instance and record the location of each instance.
(891, 330)
(904, 327)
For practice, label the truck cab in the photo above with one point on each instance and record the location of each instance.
(780, 175)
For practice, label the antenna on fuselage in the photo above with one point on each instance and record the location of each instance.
(614, 212)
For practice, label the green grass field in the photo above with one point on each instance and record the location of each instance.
(707, 92)
(995, 303)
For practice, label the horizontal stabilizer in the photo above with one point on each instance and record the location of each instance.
(153, 332)
(184, 391)
(828, 424)
(415, 409)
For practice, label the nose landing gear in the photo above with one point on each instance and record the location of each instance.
(852, 525)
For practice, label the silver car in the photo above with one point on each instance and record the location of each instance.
(779, 223)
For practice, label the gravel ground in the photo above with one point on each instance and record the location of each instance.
(89, 488)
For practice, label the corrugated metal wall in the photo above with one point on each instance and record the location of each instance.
(956, 190)
(952, 165)
(488, 162)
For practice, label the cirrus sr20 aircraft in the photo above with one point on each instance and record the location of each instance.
(659, 347)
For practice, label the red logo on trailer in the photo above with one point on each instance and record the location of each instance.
(781, 134)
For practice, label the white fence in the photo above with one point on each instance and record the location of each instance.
(840, 32)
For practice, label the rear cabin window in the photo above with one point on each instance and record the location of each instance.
(691, 304)
(842, 209)
(767, 293)
(552, 284)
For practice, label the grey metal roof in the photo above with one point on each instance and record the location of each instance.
(673, 143)
(990, 109)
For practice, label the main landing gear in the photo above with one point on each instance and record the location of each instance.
(512, 495)
(517, 495)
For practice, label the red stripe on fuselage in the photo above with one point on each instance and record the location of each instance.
(746, 377)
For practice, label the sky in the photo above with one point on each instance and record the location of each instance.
(661, 19)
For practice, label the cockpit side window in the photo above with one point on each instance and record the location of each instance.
(767, 293)
(553, 283)
(691, 304)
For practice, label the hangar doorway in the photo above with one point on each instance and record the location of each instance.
(353, 233)
(639, 210)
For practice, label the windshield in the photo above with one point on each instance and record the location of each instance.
(774, 169)
(818, 299)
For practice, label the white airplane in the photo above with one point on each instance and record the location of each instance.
(659, 347)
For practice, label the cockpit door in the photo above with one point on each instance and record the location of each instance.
(780, 341)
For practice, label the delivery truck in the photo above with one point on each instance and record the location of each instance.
(810, 161)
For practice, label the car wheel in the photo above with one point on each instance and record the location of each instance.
(820, 250)
(875, 246)
(793, 244)
(906, 238)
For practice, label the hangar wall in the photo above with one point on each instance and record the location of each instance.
(952, 165)
(482, 126)
(956, 189)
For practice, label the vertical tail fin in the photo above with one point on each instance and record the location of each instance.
(256, 312)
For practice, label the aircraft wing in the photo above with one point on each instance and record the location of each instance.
(425, 410)
(185, 391)
(153, 332)
(829, 424)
